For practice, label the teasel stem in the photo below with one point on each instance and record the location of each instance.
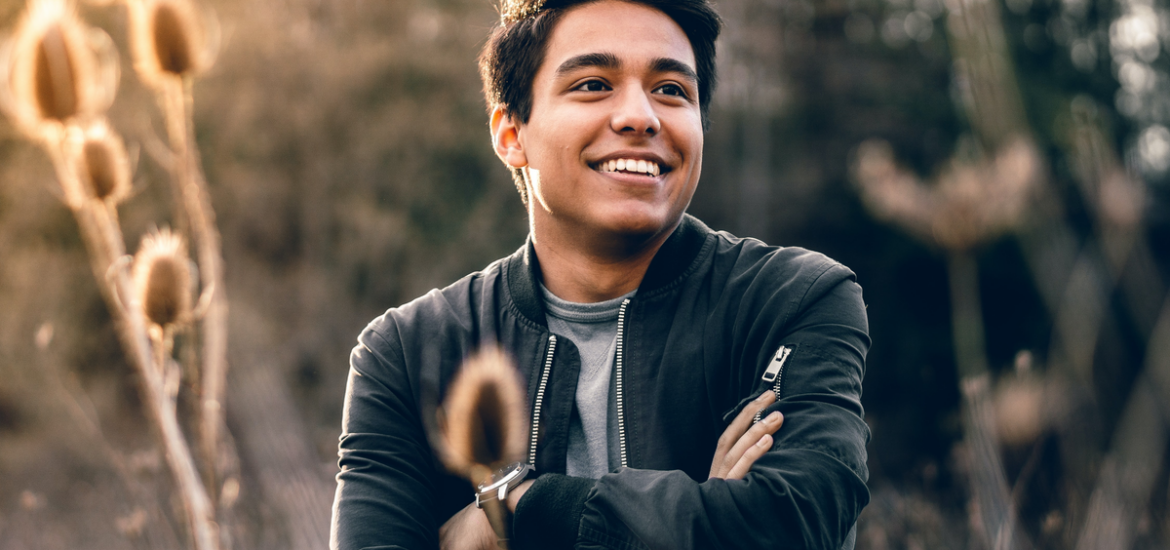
(103, 240)
(187, 174)
(988, 483)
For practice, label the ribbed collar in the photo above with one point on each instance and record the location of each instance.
(669, 263)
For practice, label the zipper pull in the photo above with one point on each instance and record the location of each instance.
(777, 364)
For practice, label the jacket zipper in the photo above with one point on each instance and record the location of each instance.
(548, 359)
(617, 367)
(775, 374)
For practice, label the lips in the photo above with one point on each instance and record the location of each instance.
(638, 164)
(632, 166)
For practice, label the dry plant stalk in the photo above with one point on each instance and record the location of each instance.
(57, 78)
(976, 202)
(970, 203)
(989, 486)
(483, 418)
(1127, 473)
(170, 47)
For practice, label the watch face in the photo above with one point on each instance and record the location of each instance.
(503, 476)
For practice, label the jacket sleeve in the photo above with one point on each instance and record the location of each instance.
(386, 484)
(808, 490)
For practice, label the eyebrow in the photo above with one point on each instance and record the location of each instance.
(611, 61)
(599, 60)
(669, 65)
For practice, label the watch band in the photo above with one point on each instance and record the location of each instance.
(500, 519)
(493, 498)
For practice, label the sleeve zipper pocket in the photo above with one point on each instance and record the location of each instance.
(774, 374)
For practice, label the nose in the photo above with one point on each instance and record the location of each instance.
(635, 113)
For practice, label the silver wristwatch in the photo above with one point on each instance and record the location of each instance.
(492, 497)
(503, 480)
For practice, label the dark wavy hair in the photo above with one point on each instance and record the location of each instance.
(516, 46)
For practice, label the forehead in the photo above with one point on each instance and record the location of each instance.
(635, 33)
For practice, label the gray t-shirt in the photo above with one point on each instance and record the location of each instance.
(593, 445)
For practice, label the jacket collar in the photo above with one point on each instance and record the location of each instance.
(669, 263)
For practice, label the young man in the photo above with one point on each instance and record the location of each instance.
(655, 341)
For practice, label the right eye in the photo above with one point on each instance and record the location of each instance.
(592, 86)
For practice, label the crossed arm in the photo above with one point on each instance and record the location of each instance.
(741, 444)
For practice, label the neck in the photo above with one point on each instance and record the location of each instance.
(580, 269)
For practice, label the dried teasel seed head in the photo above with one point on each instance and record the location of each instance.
(969, 203)
(169, 38)
(172, 42)
(55, 76)
(55, 69)
(162, 279)
(485, 421)
(514, 10)
(1021, 413)
(99, 168)
(102, 165)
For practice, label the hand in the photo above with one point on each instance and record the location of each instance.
(468, 529)
(742, 443)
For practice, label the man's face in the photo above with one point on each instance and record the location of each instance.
(614, 143)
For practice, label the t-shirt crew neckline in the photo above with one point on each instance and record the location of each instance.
(578, 312)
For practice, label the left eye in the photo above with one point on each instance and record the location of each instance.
(671, 89)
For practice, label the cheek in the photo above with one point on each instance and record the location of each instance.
(696, 134)
(547, 145)
(686, 131)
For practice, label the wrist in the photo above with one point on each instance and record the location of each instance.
(516, 494)
(496, 500)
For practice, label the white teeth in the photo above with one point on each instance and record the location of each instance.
(631, 165)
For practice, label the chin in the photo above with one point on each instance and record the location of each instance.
(643, 224)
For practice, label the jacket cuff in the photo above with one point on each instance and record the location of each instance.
(548, 516)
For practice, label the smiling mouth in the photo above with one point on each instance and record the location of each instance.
(630, 166)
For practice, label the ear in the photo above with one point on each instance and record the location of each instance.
(506, 139)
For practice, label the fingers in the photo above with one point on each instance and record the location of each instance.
(749, 457)
(723, 460)
(742, 422)
(753, 445)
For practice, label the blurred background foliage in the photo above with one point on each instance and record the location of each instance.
(347, 151)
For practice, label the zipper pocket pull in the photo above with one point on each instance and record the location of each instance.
(777, 364)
